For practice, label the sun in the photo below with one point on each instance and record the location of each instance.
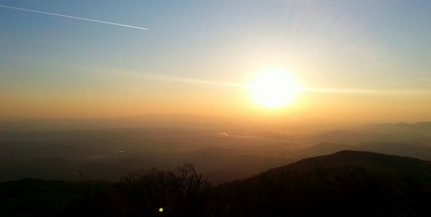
(273, 88)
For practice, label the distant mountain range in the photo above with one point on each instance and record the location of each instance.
(402, 132)
(420, 128)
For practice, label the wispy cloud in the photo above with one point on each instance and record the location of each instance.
(76, 18)
(423, 79)
(302, 89)
(189, 80)
(363, 91)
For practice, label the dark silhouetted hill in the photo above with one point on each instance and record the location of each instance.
(368, 160)
(392, 148)
(346, 183)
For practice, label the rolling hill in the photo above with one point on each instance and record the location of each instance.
(346, 183)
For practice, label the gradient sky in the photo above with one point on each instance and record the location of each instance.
(356, 60)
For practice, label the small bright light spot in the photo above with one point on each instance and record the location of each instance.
(160, 209)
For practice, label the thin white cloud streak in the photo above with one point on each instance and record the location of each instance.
(198, 81)
(246, 85)
(154, 76)
(423, 79)
(362, 91)
(189, 80)
(76, 18)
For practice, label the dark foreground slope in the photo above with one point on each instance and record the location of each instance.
(348, 183)
(35, 197)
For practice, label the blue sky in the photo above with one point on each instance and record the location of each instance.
(54, 63)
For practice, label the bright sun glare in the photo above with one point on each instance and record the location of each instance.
(273, 88)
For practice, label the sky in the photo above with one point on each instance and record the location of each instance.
(363, 61)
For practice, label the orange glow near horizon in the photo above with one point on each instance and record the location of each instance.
(135, 97)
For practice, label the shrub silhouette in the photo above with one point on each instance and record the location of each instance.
(179, 192)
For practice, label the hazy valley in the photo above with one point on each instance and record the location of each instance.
(222, 153)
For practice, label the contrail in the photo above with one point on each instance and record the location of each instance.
(76, 18)
(423, 79)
